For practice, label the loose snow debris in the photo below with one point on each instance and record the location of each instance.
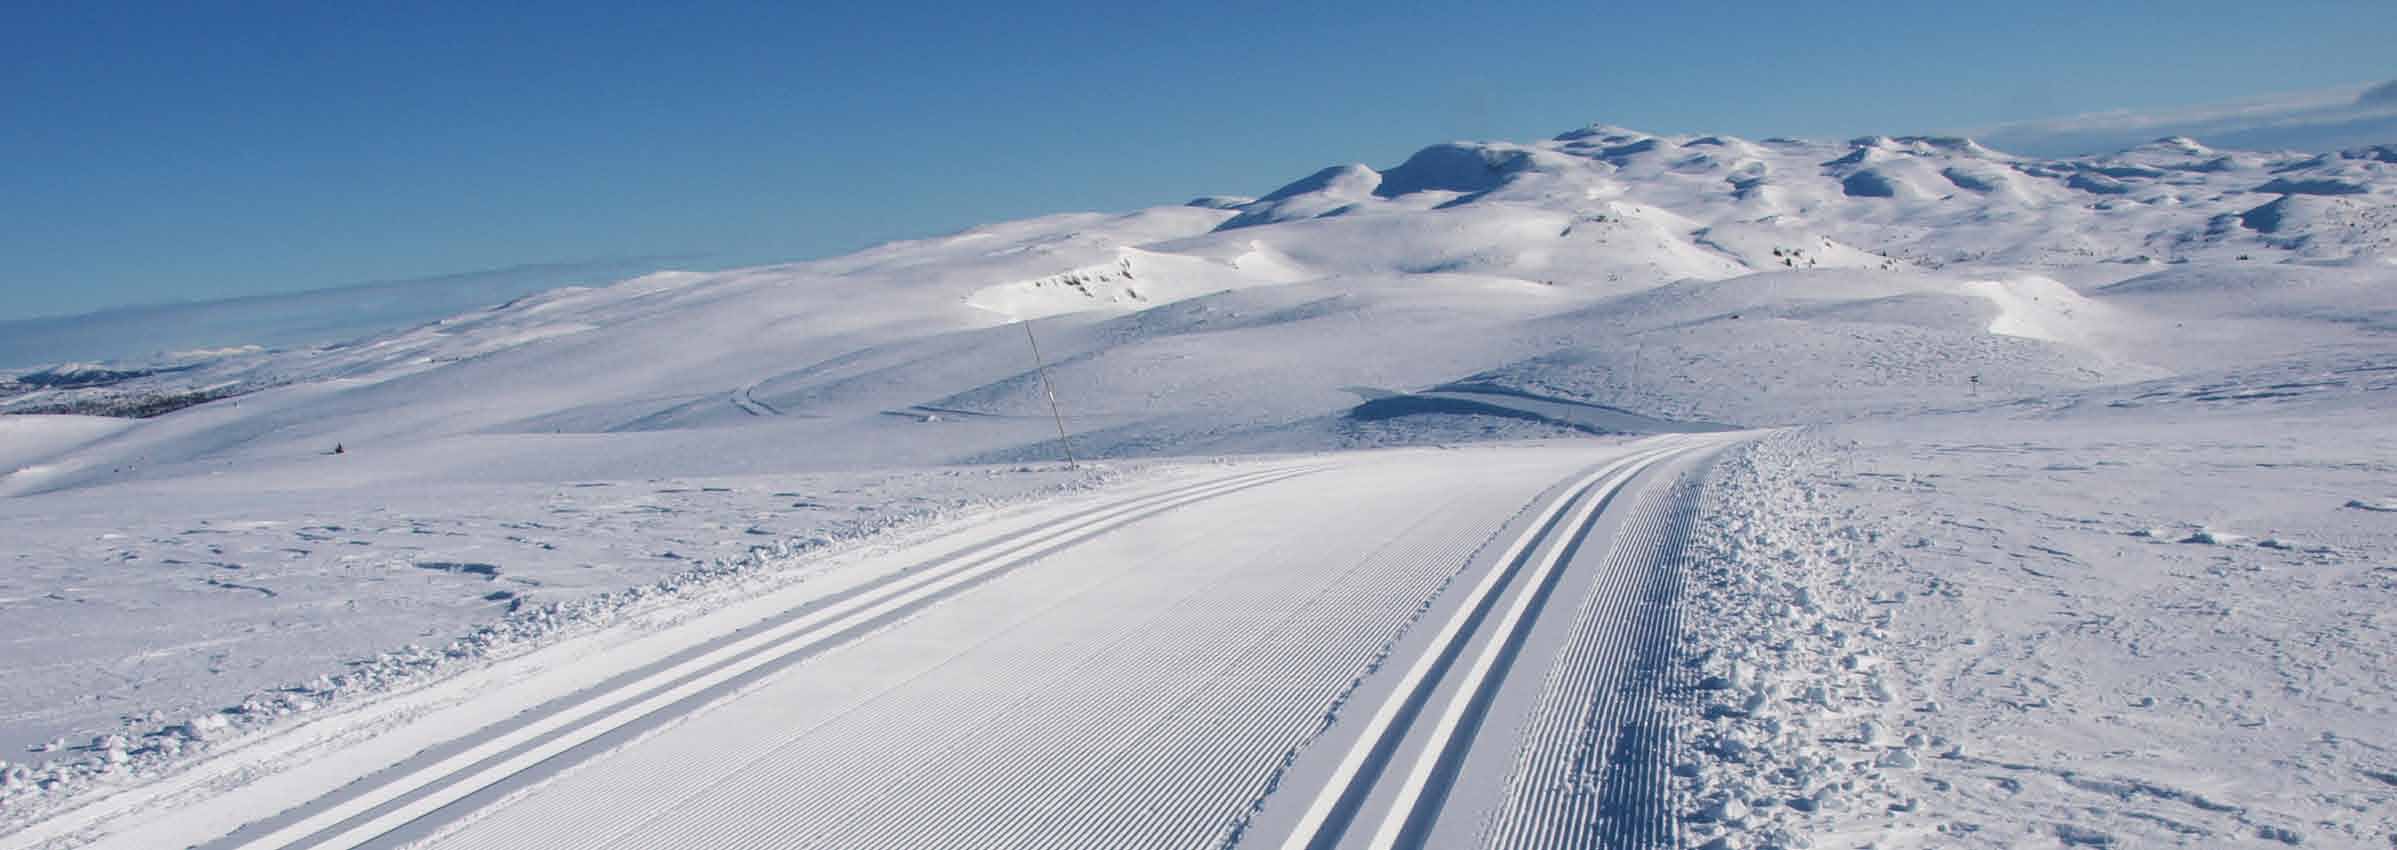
(1777, 626)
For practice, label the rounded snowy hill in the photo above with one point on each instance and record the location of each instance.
(1669, 281)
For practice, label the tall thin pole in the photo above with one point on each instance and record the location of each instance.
(1051, 390)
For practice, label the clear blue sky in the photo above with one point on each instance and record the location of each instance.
(178, 151)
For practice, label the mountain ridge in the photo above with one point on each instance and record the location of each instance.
(1932, 269)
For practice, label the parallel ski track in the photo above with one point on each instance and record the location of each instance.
(1205, 695)
(1525, 574)
(386, 810)
(1591, 772)
(1213, 687)
(1180, 774)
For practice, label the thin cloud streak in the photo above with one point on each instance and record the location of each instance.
(2317, 120)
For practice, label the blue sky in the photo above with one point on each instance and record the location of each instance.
(196, 151)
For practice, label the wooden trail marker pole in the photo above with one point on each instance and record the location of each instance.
(1046, 388)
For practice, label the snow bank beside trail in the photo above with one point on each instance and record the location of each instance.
(1912, 634)
(2090, 628)
(1797, 722)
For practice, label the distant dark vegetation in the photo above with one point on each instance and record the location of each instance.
(96, 392)
(120, 405)
(80, 378)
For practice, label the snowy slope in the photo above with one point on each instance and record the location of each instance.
(1179, 325)
(173, 332)
(1884, 288)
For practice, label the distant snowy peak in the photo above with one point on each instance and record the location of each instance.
(1675, 276)
(1933, 200)
(2182, 145)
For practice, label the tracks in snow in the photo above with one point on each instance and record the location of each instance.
(745, 398)
(565, 732)
(1334, 654)
(1591, 772)
(1578, 764)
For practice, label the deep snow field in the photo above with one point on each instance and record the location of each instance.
(2087, 534)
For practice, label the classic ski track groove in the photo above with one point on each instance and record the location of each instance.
(1602, 694)
(1209, 776)
(1238, 666)
(689, 681)
(1206, 773)
(1526, 573)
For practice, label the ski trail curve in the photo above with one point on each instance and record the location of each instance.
(1560, 648)
(1414, 648)
(657, 695)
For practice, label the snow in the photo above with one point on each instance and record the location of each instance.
(2078, 532)
(27, 439)
(2207, 681)
(180, 332)
(219, 618)
(2014, 665)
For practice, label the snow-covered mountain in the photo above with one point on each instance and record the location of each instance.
(168, 334)
(1673, 277)
(2110, 433)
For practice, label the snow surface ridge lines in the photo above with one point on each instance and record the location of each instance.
(1212, 760)
(789, 656)
(1351, 780)
(1619, 743)
(1419, 578)
(983, 827)
(1210, 774)
(1549, 798)
(1659, 653)
(1424, 787)
(984, 759)
(357, 820)
(1605, 785)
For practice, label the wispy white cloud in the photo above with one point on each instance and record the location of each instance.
(2322, 119)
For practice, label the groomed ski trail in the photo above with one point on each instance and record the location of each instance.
(1327, 652)
(1533, 716)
